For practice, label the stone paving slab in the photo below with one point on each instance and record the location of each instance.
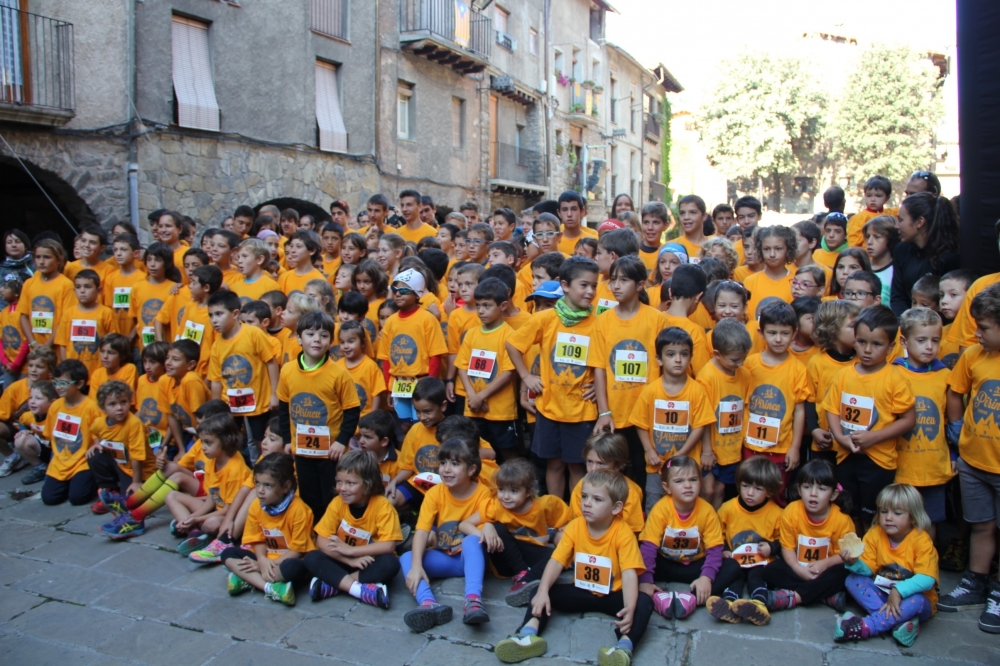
(20, 649)
(14, 603)
(77, 625)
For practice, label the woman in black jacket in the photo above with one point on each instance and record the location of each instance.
(928, 229)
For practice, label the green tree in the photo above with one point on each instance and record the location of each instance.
(765, 119)
(887, 115)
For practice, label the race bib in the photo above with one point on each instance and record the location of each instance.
(155, 439)
(730, 417)
(631, 366)
(812, 549)
(671, 415)
(353, 536)
(403, 388)
(856, 411)
(681, 544)
(605, 304)
(83, 330)
(274, 540)
(425, 481)
(481, 363)
(885, 584)
(116, 449)
(41, 322)
(241, 400)
(67, 427)
(592, 573)
(148, 335)
(122, 298)
(748, 555)
(312, 441)
(763, 431)
(193, 331)
(571, 348)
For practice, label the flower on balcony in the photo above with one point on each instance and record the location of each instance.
(562, 79)
(576, 108)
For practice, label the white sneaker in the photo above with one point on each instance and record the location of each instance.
(12, 463)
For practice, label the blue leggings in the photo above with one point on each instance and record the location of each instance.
(470, 562)
(871, 598)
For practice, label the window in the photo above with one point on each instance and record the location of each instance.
(458, 123)
(332, 132)
(518, 143)
(558, 138)
(194, 90)
(614, 100)
(596, 23)
(595, 72)
(533, 42)
(654, 170)
(404, 112)
(632, 111)
(329, 17)
(559, 63)
(577, 66)
(500, 17)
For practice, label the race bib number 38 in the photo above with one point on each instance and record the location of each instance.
(571, 348)
(592, 573)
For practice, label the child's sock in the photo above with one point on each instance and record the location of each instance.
(151, 485)
(527, 630)
(154, 502)
(355, 590)
(730, 595)
(760, 594)
(624, 643)
(424, 595)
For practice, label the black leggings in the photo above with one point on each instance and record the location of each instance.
(317, 479)
(330, 571)
(518, 555)
(291, 569)
(637, 459)
(781, 577)
(676, 572)
(571, 599)
(753, 578)
(107, 473)
(80, 489)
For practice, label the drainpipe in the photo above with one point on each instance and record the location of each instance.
(133, 193)
(378, 91)
(546, 108)
(133, 124)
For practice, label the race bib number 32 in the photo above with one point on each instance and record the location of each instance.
(856, 411)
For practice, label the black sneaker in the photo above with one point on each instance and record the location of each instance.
(837, 602)
(37, 475)
(969, 593)
(989, 621)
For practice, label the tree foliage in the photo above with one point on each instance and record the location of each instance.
(888, 115)
(765, 118)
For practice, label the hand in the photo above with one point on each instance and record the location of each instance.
(336, 450)
(413, 578)
(533, 383)
(274, 402)
(848, 559)
(94, 449)
(339, 547)
(489, 536)
(954, 467)
(891, 606)
(652, 458)
(390, 490)
(862, 439)
(132, 487)
(589, 393)
(648, 588)
(161, 458)
(604, 423)
(362, 562)
(727, 554)
(708, 461)
(269, 571)
(541, 604)
(810, 572)
(476, 404)
(174, 289)
(449, 391)
(624, 621)
(702, 588)
(227, 526)
(247, 565)
(792, 458)
(823, 439)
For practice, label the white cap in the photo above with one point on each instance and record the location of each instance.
(411, 279)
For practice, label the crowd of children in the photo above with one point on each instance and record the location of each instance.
(586, 412)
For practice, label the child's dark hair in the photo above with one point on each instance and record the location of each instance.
(820, 473)
(678, 462)
(232, 240)
(778, 313)
(722, 208)
(693, 199)
(112, 388)
(200, 254)
(275, 298)
(588, 242)
(713, 268)
(886, 226)
(986, 305)
(673, 336)
(620, 242)
(880, 183)
(777, 231)
(210, 409)
(810, 231)
(630, 267)
(156, 352)
(574, 267)
(382, 424)
(732, 287)
(687, 281)
(858, 255)
(816, 272)
(353, 327)
(434, 258)
(223, 427)
(46, 388)
(258, 309)
(505, 274)
(354, 303)
(457, 426)
(805, 305)
(388, 304)
(274, 425)
(281, 468)
(365, 466)
(316, 320)
(374, 272)
(966, 277)
(492, 289)
(227, 299)
(189, 348)
(516, 473)
(748, 201)
(875, 284)
(118, 344)
(836, 219)
(610, 447)
(928, 286)
(878, 317)
(210, 277)
(730, 337)
(550, 262)
(484, 229)
(165, 254)
(310, 239)
(430, 389)
(460, 450)
(506, 247)
(760, 471)
(88, 274)
(834, 198)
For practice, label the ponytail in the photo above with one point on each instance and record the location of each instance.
(942, 223)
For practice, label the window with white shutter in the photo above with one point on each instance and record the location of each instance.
(192, 74)
(332, 132)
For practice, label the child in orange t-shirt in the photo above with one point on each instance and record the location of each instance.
(67, 429)
(119, 456)
(116, 353)
(86, 323)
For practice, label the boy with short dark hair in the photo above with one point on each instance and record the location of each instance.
(478, 239)
(655, 219)
(86, 323)
(460, 321)
(118, 454)
(865, 288)
(220, 248)
(331, 236)
(182, 391)
(834, 240)
(878, 190)
(572, 210)
(611, 246)
(503, 222)
(91, 242)
(687, 286)
(748, 212)
(118, 285)
(67, 428)
(418, 455)
(926, 292)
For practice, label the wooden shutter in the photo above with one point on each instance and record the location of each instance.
(192, 74)
(332, 132)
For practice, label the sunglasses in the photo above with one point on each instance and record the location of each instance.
(60, 383)
(401, 291)
(545, 234)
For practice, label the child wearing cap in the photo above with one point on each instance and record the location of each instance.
(411, 344)
(670, 257)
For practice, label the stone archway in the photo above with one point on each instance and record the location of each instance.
(301, 205)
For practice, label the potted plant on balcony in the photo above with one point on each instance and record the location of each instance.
(593, 112)
(588, 85)
(598, 89)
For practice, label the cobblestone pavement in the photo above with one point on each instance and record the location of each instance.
(70, 597)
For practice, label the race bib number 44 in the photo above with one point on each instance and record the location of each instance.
(812, 549)
(571, 348)
(592, 573)
(856, 411)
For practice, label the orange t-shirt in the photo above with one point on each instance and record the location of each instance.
(770, 406)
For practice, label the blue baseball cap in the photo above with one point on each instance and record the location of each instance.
(550, 289)
(676, 249)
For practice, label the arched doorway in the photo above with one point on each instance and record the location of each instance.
(27, 208)
(301, 205)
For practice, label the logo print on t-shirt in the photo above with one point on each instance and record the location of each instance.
(181, 415)
(237, 370)
(950, 360)
(403, 350)
(767, 400)
(362, 395)
(307, 409)
(986, 404)
(180, 316)
(894, 571)
(149, 412)
(928, 420)
(150, 309)
(369, 327)
(42, 304)
(11, 337)
(426, 458)
(745, 537)
(449, 538)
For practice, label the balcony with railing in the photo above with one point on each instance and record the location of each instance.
(330, 18)
(448, 32)
(36, 69)
(582, 105)
(652, 128)
(516, 169)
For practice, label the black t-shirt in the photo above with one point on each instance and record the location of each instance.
(910, 263)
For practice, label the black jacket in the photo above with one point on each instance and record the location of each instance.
(910, 263)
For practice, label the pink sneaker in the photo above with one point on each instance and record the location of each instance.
(209, 554)
(663, 603)
(687, 602)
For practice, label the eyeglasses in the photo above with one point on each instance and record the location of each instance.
(857, 295)
(802, 285)
(401, 291)
(546, 234)
(60, 383)
(475, 241)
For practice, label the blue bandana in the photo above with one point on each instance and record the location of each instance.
(280, 507)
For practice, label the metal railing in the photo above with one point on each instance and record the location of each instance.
(653, 126)
(657, 191)
(453, 20)
(515, 163)
(36, 60)
(329, 17)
